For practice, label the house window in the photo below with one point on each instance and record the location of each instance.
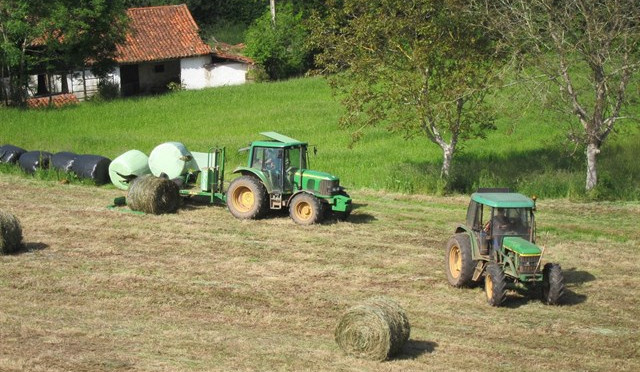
(158, 69)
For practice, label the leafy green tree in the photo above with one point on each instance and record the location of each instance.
(57, 36)
(280, 47)
(584, 58)
(418, 67)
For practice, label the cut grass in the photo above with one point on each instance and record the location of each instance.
(200, 290)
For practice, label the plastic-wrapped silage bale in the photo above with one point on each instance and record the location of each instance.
(63, 161)
(170, 158)
(94, 167)
(126, 167)
(31, 161)
(10, 154)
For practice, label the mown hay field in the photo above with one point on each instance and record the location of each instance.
(101, 290)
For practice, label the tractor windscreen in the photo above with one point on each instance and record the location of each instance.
(512, 222)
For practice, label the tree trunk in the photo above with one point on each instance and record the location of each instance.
(64, 82)
(447, 155)
(592, 176)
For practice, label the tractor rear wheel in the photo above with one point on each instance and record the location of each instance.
(552, 284)
(247, 198)
(459, 265)
(495, 284)
(306, 209)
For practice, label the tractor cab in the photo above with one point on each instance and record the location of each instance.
(279, 164)
(496, 215)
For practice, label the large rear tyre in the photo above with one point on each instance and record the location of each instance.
(495, 284)
(459, 265)
(247, 198)
(552, 284)
(306, 209)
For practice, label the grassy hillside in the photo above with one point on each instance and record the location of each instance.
(528, 152)
(98, 290)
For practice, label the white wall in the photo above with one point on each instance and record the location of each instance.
(192, 72)
(227, 73)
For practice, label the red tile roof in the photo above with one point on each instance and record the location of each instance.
(232, 52)
(57, 100)
(159, 33)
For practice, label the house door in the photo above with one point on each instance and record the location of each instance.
(129, 80)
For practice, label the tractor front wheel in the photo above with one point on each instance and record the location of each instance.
(246, 198)
(305, 209)
(459, 265)
(495, 284)
(552, 284)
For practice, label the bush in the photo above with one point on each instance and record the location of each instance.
(279, 49)
(108, 90)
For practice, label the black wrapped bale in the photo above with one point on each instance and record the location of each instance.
(10, 233)
(94, 167)
(150, 194)
(10, 154)
(31, 161)
(376, 329)
(63, 161)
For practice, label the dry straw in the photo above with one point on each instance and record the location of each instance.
(376, 329)
(150, 194)
(10, 233)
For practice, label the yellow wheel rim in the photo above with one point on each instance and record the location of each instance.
(488, 286)
(243, 199)
(303, 210)
(455, 261)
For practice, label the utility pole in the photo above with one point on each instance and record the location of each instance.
(272, 5)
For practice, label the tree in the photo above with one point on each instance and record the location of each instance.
(57, 36)
(281, 47)
(585, 54)
(419, 67)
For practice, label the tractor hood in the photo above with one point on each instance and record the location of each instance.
(306, 173)
(520, 246)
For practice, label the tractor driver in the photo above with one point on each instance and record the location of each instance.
(497, 226)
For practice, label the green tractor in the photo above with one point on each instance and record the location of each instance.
(498, 242)
(276, 176)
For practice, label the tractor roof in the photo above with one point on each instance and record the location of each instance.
(279, 140)
(503, 199)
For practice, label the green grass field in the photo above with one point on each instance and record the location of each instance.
(528, 152)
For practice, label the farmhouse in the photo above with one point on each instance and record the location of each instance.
(162, 47)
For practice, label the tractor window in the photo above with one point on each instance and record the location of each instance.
(474, 216)
(293, 159)
(512, 222)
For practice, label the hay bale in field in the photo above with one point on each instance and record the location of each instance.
(376, 329)
(150, 194)
(128, 166)
(31, 161)
(94, 167)
(10, 154)
(63, 161)
(10, 233)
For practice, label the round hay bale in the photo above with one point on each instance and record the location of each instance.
(10, 154)
(153, 195)
(128, 166)
(94, 167)
(63, 161)
(376, 329)
(10, 233)
(170, 158)
(31, 161)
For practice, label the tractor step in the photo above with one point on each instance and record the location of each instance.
(479, 269)
(276, 201)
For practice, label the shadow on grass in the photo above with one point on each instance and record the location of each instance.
(570, 298)
(30, 247)
(573, 276)
(415, 348)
